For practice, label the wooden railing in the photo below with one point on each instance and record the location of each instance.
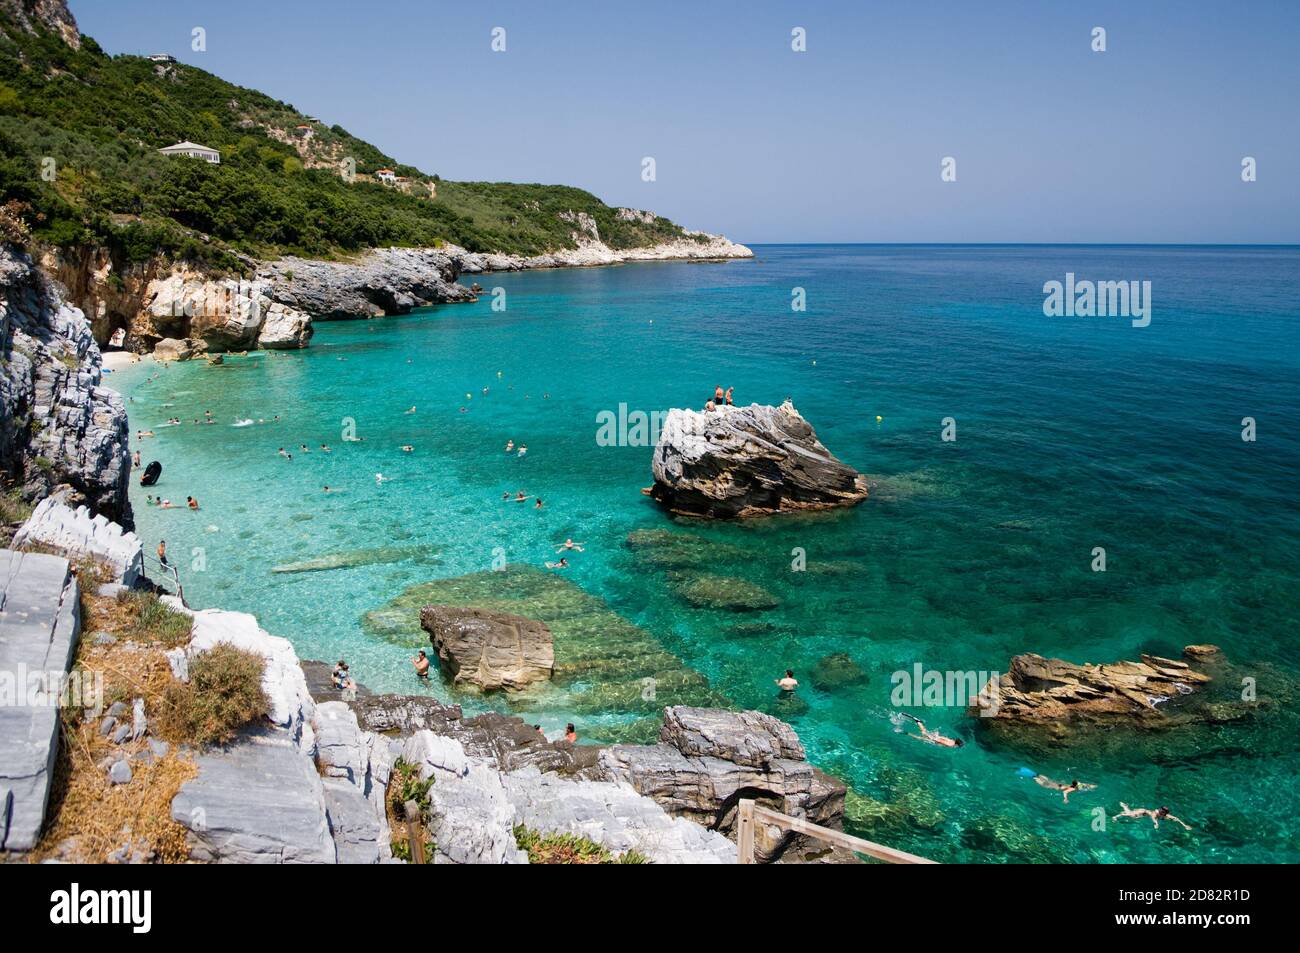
(750, 814)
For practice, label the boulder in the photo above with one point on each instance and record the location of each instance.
(1051, 691)
(178, 349)
(77, 533)
(39, 626)
(708, 759)
(487, 649)
(747, 461)
(352, 823)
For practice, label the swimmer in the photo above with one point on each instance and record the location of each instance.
(510, 445)
(933, 737)
(1156, 816)
(284, 453)
(522, 450)
(135, 460)
(380, 478)
(562, 564)
(166, 504)
(520, 498)
(303, 448)
(539, 504)
(570, 544)
(505, 496)
(411, 409)
(149, 500)
(324, 448)
(789, 683)
(191, 502)
(1066, 789)
(141, 434)
(407, 448)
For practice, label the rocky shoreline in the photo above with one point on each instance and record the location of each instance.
(178, 312)
(309, 782)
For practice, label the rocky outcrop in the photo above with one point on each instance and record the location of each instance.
(59, 426)
(178, 349)
(590, 251)
(489, 650)
(49, 15)
(1053, 693)
(39, 626)
(747, 461)
(78, 533)
(224, 314)
(384, 281)
(708, 759)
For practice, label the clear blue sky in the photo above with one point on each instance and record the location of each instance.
(1142, 143)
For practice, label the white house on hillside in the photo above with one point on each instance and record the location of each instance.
(194, 150)
(162, 57)
(386, 176)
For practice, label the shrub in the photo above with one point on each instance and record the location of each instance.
(224, 694)
(570, 849)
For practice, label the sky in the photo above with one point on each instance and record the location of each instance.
(843, 142)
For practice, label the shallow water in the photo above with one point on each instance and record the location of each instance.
(1072, 433)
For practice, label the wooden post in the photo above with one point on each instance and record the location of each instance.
(414, 832)
(745, 832)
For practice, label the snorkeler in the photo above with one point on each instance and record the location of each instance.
(1156, 816)
(1066, 789)
(933, 737)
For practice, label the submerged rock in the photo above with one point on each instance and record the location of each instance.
(709, 591)
(604, 664)
(748, 461)
(490, 650)
(662, 548)
(356, 557)
(837, 670)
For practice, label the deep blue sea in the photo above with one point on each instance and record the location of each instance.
(1072, 433)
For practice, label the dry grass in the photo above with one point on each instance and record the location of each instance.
(89, 817)
(138, 616)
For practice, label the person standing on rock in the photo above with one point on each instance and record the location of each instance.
(729, 390)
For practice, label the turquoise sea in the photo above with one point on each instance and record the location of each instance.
(1072, 433)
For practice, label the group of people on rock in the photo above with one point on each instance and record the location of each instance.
(719, 398)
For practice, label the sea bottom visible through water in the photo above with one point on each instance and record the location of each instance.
(1072, 435)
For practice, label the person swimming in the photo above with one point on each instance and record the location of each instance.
(522, 450)
(191, 502)
(520, 498)
(1066, 789)
(510, 446)
(411, 409)
(933, 737)
(407, 448)
(789, 683)
(380, 478)
(570, 544)
(562, 564)
(1156, 816)
(538, 504)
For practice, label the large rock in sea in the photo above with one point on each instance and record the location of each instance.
(748, 461)
(1053, 693)
(487, 649)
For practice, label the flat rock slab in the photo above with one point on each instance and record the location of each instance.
(613, 815)
(259, 801)
(39, 624)
(69, 530)
(488, 649)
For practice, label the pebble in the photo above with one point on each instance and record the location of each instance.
(120, 773)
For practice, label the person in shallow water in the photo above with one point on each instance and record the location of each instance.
(570, 733)
(1065, 789)
(1156, 816)
(570, 544)
(421, 663)
(191, 502)
(933, 737)
(789, 683)
(162, 551)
